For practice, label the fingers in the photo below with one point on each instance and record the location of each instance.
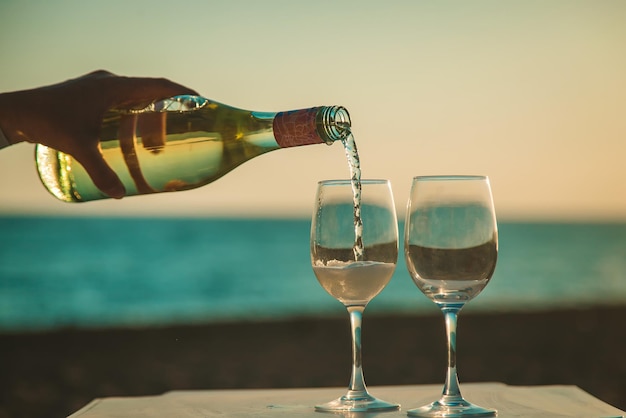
(151, 128)
(131, 92)
(106, 91)
(168, 88)
(101, 174)
(128, 124)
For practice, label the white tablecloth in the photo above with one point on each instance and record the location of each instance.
(510, 401)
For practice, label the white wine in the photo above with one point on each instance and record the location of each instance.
(353, 283)
(354, 165)
(185, 142)
(452, 275)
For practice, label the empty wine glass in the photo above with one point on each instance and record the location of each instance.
(354, 251)
(451, 247)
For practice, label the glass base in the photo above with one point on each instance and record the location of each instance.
(361, 403)
(461, 408)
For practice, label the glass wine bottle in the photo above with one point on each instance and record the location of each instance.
(185, 142)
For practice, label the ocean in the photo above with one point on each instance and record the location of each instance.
(58, 272)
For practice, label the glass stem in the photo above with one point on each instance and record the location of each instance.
(357, 387)
(451, 390)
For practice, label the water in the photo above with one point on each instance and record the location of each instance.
(93, 272)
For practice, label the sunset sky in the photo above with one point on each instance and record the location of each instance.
(530, 93)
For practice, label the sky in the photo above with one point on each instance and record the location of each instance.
(530, 93)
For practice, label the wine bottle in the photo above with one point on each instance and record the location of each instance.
(185, 142)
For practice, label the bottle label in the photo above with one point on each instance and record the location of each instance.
(296, 127)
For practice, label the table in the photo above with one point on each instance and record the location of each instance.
(510, 401)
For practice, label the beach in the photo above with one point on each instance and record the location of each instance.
(55, 373)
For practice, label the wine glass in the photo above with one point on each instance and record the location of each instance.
(451, 247)
(354, 251)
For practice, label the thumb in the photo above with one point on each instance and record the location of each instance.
(101, 173)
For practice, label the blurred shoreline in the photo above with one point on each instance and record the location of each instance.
(153, 272)
(55, 373)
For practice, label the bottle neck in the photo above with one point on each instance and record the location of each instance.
(333, 123)
(324, 124)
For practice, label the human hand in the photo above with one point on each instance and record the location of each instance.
(68, 116)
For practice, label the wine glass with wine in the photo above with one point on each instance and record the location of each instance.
(354, 251)
(451, 247)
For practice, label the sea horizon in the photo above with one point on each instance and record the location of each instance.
(93, 272)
